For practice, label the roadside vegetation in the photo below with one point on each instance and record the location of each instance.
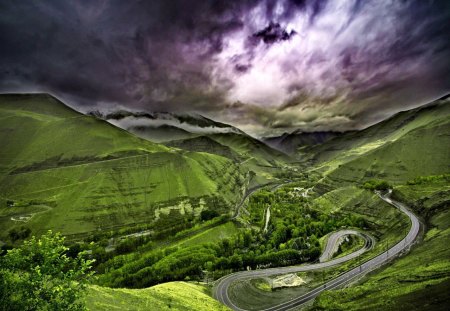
(418, 281)
(292, 238)
(40, 275)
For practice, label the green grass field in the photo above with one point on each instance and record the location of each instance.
(179, 296)
(407, 145)
(210, 235)
(76, 174)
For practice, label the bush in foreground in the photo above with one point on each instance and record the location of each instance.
(39, 276)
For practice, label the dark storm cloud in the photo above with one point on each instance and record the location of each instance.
(261, 65)
(274, 33)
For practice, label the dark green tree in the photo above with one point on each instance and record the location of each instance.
(39, 275)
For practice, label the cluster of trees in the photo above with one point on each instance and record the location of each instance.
(39, 275)
(429, 179)
(292, 237)
(208, 214)
(376, 184)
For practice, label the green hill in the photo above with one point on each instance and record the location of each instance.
(250, 147)
(410, 151)
(76, 174)
(160, 133)
(180, 296)
(205, 144)
(409, 144)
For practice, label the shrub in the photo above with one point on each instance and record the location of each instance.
(375, 184)
(39, 276)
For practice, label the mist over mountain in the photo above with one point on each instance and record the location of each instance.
(161, 126)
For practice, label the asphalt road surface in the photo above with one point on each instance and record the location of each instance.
(335, 239)
(221, 288)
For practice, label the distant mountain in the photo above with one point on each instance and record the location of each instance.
(162, 133)
(164, 126)
(250, 147)
(194, 132)
(205, 144)
(289, 142)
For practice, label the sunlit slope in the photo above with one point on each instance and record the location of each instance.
(76, 174)
(250, 148)
(205, 144)
(409, 144)
(169, 296)
(260, 160)
(38, 127)
(421, 279)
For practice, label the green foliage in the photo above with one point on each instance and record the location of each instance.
(429, 179)
(172, 296)
(208, 214)
(375, 184)
(40, 276)
(19, 233)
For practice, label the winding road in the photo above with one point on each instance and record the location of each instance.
(335, 239)
(221, 287)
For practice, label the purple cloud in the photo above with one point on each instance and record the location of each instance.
(288, 64)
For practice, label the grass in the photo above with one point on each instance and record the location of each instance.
(169, 296)
(418, 281)
(211, 235)
(405, 146)
(84, 175)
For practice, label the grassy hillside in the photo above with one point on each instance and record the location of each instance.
(410, 151)
(250, 147)
(205, 144)
(160, 133)
(418, 281)
(75, 174)
(264, 162)
(415, 135)
(37, 128)
(169, 296)
(409, 144)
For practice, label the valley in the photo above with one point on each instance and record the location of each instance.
(207, 217)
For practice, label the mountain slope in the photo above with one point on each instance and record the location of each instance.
(205, 144)
(169, 296)
(250, 147)
(164, 126)
(410, 151)
(77, 174)
(159, 134)
(289, 142)
(409, 144)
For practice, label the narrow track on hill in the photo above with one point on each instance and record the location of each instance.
(335, 239)
(221, 288)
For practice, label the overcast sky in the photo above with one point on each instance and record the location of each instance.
(263, 66)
